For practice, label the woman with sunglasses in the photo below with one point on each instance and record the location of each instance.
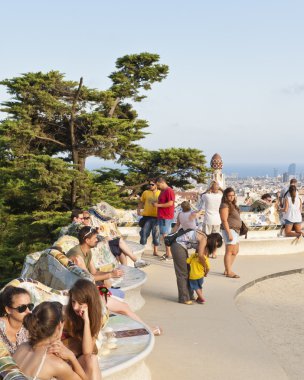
(45, 356)
(15, 304)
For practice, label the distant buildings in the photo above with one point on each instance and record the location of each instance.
(292, 169)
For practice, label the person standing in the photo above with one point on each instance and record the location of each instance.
(231, 225)
(211, 201)
(165, 211)
(204, 246)
(149, 216)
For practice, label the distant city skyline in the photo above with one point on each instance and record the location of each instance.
(236, 80)
(243, 170)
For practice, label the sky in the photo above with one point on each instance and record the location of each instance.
(236, 80)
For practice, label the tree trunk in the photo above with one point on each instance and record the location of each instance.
(75, 155)
(81, 164)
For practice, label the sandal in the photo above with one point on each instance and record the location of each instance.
(232, 275)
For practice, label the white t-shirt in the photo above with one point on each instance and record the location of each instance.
(293, 214)
(184, 221)
(211, 204)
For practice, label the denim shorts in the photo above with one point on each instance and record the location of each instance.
(165, 226)
(235, 236)
(289, 223)
(196, 284)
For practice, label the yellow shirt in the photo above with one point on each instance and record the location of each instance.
(196, 267)
(146, 198)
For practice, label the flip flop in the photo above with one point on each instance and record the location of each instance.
(232, 276)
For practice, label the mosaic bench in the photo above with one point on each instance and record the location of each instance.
(54, 269)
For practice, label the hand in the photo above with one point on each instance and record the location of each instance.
(230, 237)
(59, 349)
(117, 273)
(84, 313)
(154, 203)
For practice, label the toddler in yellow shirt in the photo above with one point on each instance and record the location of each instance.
(198, 271)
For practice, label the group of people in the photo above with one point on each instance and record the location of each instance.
(221, 222)
(49, 341)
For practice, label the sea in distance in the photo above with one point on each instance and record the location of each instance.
(235, 169)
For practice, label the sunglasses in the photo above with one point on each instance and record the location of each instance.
(151, 184)
(22, 308)
(92, 230)
(86, 217)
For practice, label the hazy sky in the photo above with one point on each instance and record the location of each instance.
(236, 81)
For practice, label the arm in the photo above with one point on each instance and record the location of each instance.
(63, 370)
(167, 204)
(87, 340)
(176, 227)
(102, 276)
(140, 206)
(224, 212)
(285, 205)
(202, 242)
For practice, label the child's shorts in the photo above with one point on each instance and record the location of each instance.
(196, 284)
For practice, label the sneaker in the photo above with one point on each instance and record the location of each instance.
(140, 263)
(188, 303)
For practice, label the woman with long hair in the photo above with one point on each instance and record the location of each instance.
(231, 225)
(204, 246)
(44, 356)
(293, 212)
(83, 323)
(15, 304)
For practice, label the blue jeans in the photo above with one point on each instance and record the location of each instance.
(151, 224)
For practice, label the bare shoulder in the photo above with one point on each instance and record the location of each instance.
(59, 368)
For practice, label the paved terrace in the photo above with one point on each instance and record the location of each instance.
(211, 341)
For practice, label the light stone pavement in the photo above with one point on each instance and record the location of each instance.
(214, 341)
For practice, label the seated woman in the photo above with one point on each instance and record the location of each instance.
(293, 213)
(15, 304)
(45, 355)
(82, 325)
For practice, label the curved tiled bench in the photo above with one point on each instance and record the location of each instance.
(131, 283)
(55, 270)
(126, 362)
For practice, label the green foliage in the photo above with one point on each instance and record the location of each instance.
(32, 183)
(43, 108)
(136, 72)
(24, 234)
(179, 166)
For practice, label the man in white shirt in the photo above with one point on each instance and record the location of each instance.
(211, 201)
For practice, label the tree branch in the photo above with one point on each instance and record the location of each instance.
(52, 140)
(115, 104)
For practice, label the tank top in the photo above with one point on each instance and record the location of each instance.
(184, 221)
(293, 214)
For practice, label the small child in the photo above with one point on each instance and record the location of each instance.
(197, 273)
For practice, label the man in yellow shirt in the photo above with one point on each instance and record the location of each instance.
(149, 213)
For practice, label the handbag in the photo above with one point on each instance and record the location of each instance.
(244, 230)
(170, 239)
